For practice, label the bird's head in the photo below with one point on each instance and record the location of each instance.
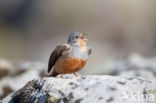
(77, 38)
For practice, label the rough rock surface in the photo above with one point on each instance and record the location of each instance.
(133, 65)
(5, 68)
(86, 89)
(16, 76)
(137, 71)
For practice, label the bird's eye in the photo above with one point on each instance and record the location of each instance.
(77, 37)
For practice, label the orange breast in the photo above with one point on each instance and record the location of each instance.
(69, 65)
(82, 64)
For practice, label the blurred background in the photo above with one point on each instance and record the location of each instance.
(30, 29)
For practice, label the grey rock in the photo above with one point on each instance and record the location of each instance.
(6, 68)
(18, 75)
(85, 89)
(127, 73)
(133, 65)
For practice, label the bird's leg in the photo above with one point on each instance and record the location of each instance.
(61, 76)
(75, 75)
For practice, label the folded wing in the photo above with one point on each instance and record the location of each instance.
(56, 54)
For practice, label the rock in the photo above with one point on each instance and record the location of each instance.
(126, 73)
(6, 91)
(6, 68)
(133, 65)
(17, 76)
(85, 89)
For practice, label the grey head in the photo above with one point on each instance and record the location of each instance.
(75, 37)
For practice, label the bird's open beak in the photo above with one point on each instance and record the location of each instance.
(83, 37)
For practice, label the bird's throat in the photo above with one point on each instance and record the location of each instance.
(82, 45)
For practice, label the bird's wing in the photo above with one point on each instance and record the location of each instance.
(56, 54)
(89, 50)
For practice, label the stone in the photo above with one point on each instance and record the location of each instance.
(85, 89)
(6, 68)
(17, 76)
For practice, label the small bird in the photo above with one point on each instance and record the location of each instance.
(70, 57)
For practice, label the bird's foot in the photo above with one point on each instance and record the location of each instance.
(61, 76)
(75, 75)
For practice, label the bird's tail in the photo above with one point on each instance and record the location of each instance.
(54, 73)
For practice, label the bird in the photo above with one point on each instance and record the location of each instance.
(70, 57)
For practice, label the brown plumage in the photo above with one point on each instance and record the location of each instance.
(54, 57)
